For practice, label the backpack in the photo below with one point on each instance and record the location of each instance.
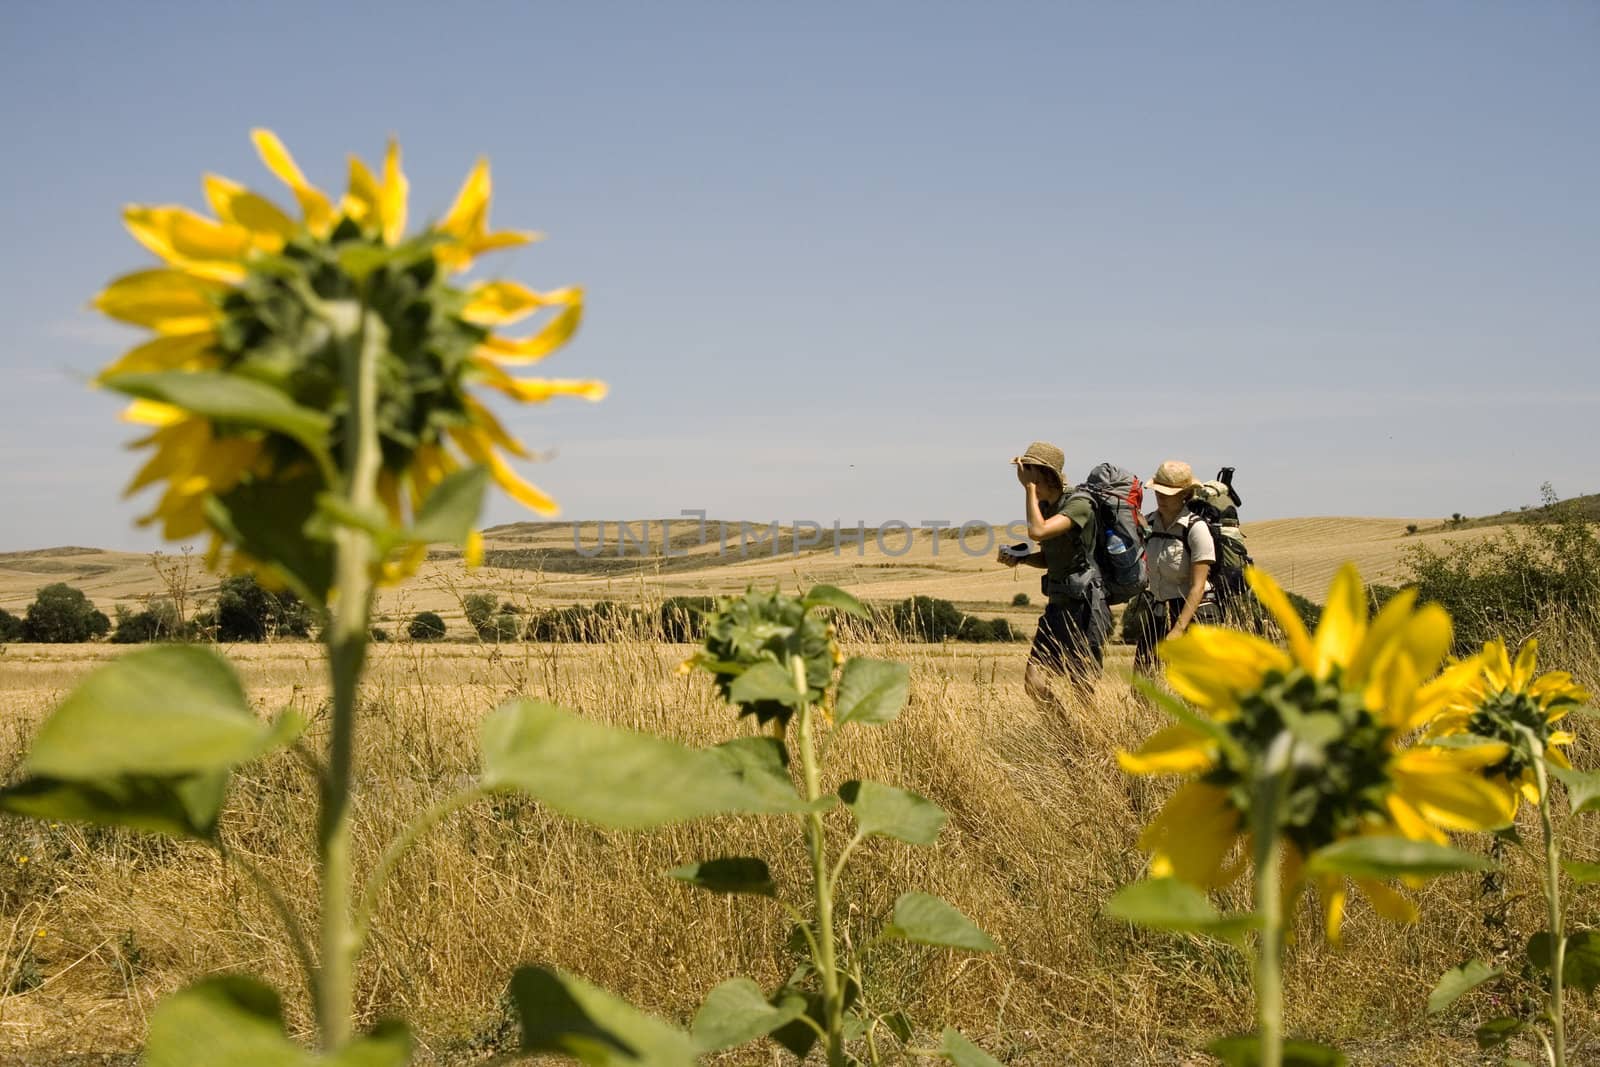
(1216, 503)
(1119, 545)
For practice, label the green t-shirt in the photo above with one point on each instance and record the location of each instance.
(1070, 552)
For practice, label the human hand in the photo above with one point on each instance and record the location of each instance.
(1025, 474)
(1007, 558)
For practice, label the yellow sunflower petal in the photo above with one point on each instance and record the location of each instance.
(469, 214)
(1274, 599)
(534, 390)
(215, 250)
(362, 196)
(1211, 665)
(1380, 636)
(154, 413)
(1447, 692)
(314, 204)
(1527, 663)
(495, 303)
(1174, 750)
(472, 552)
(1497, 665)
(493, 430)
(1192, 835)
(1456, 801)
(1344, 622)
(1409, 821)
(395, 194)
(478, 448)
(1333, 892)
(552, 336)
(234, 203)
(167, 301)
(178, 351)
(1388, 903)
(1427, 637)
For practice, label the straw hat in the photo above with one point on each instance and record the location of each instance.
(1043, 454)
(1175, 476)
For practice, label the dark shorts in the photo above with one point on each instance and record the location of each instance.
(1071, 638)
(1156, 621)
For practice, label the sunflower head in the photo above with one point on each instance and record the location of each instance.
(1306, 742)
(247, 382)
(1509, 702)
(767, 628)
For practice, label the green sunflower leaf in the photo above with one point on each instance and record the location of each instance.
(871, 691)
(229, 398)
(1393, 857)
(1244, 1050)
(451, 510)
(564, 1014)
(729, 874)
(827, 596)
(179, 806)
(238, 1020)
(957, 1049)
(1458, 981)
(620, 778)
(1171, 904)
(766, 681)
(927, 920)
(170, 710)
(1582, 873)
(737, 1012)
(1583, 787)
(1580, 967)
(1497, 1032)
(898, 813)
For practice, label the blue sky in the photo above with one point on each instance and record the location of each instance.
(844, 259)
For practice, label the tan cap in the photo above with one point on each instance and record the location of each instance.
(1043, 454)
(1175, 476)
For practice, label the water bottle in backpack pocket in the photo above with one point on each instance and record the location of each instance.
(1117, 497)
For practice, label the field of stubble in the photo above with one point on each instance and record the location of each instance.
(99, 924)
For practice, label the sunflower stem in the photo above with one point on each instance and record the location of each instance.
(347, 651)
(1552, 899)
(822, 884)
(1269, 902)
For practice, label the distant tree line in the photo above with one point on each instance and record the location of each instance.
(243, 611)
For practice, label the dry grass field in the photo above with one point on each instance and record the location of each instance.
(97, 925)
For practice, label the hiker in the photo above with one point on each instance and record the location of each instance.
(1181, 553)
(1076, 617)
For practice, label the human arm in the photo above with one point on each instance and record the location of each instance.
(1199, 571)
(1041, 528)
(1202, 551)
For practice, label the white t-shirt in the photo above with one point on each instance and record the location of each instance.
(1171, 559)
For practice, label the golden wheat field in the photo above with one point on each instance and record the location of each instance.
(98, 924)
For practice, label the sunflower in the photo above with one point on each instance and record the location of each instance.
(1343, 700)
(255, 302)
(1505, 699)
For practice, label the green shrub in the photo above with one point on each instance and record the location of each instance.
(10, 627)
(682, 618)
(479, 609)
(1021, 600)
(1310, 611)
(246, 611)
(579, 622)
(1519, 583)
(157, 622)
(984, 630)
(61, 614)
(926, 618)
(426, 626)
